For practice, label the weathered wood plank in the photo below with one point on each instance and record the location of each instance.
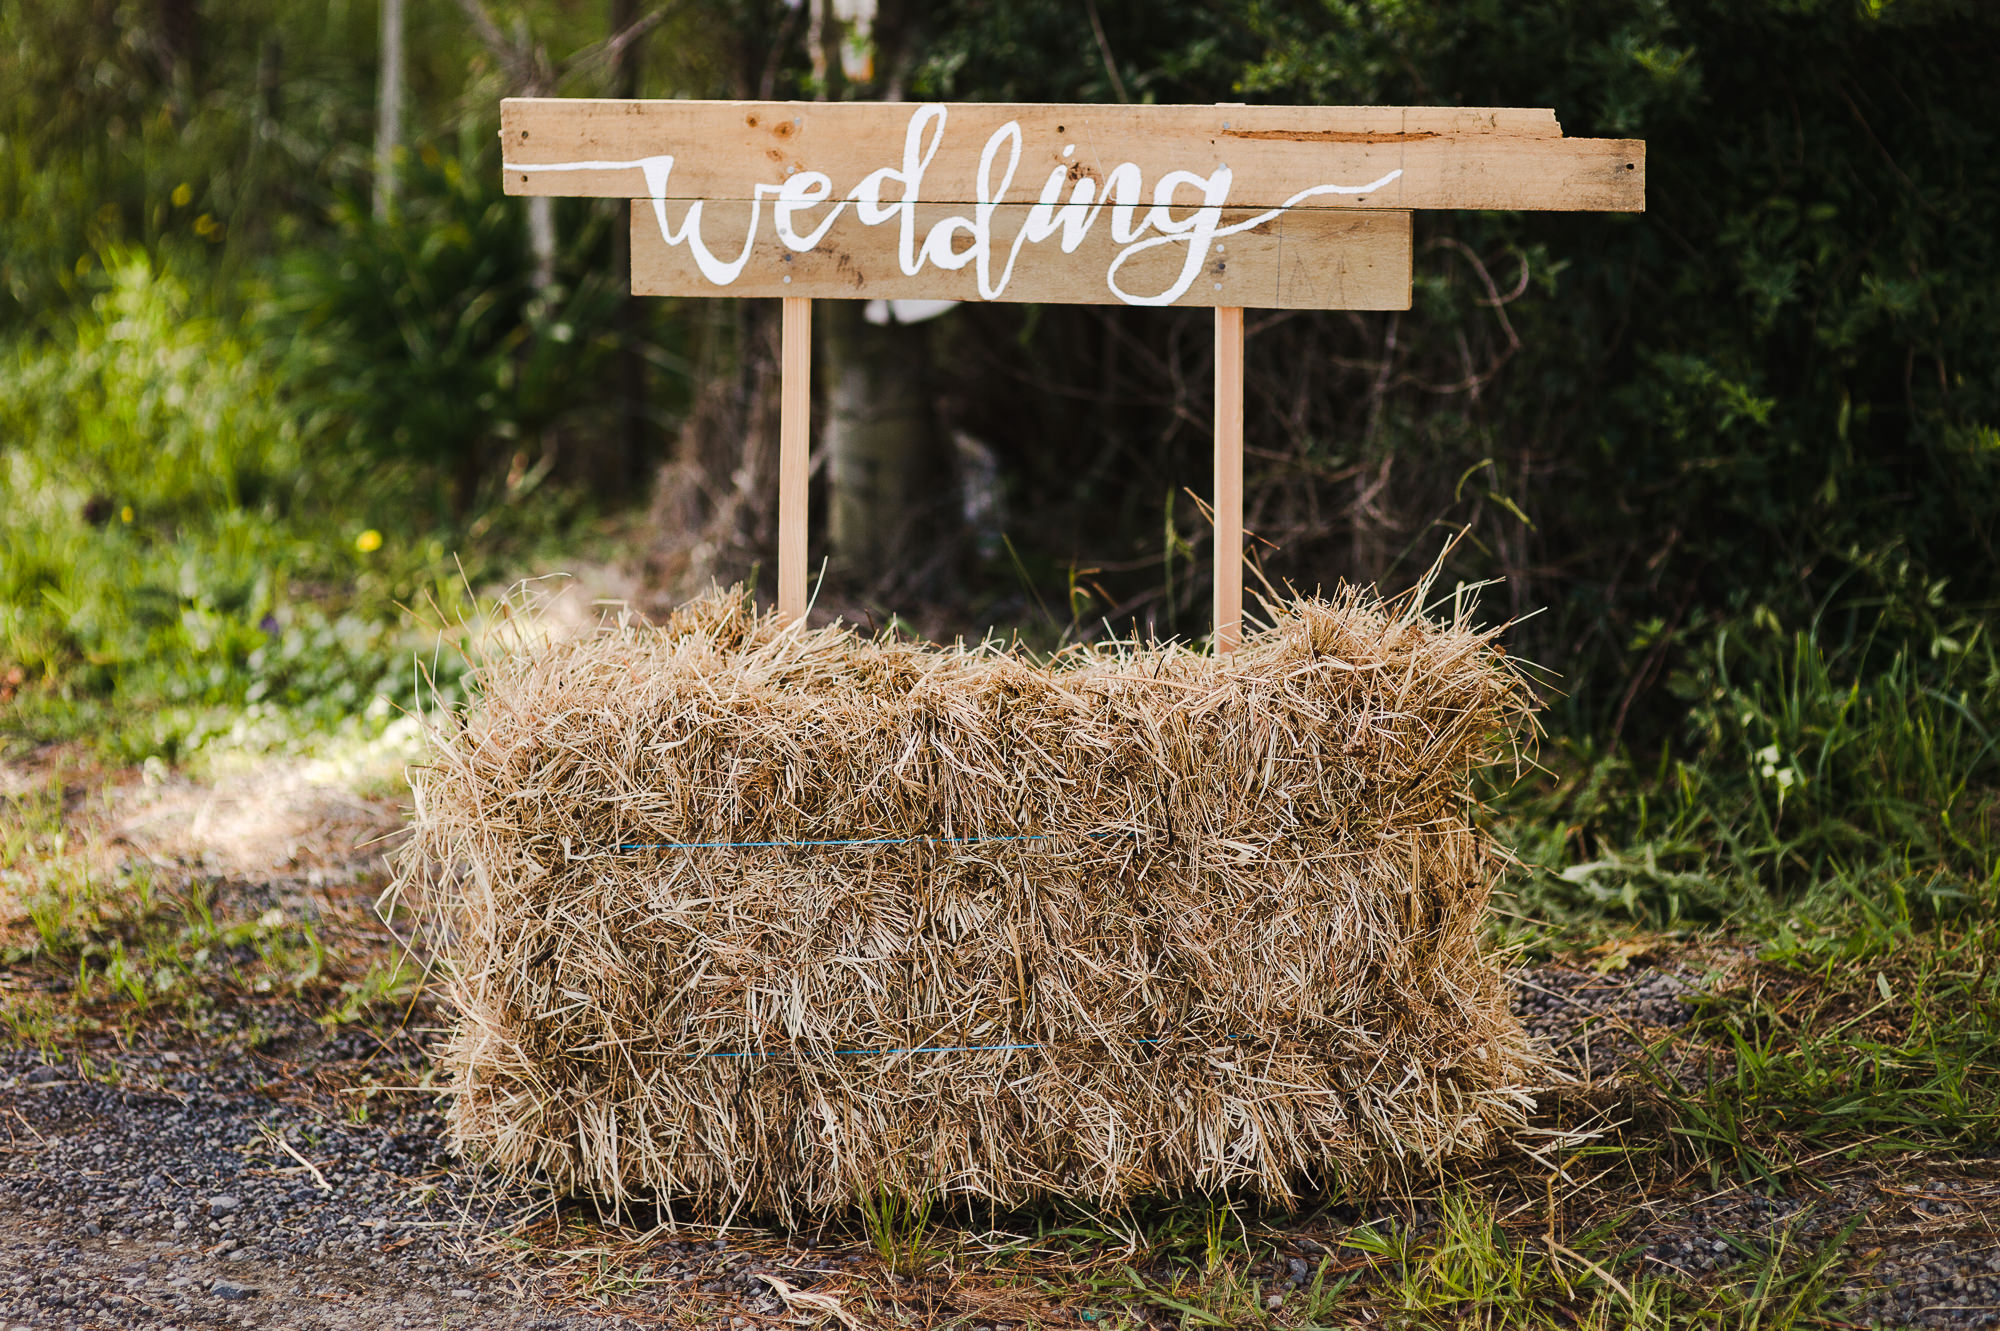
(1368, 157)
(794, 454)
(1300, 258)
(1228, 480)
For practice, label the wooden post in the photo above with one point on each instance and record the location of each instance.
(1228, 478)
(794, 454)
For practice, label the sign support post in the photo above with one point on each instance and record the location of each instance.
(794, 454)
(1228, 478)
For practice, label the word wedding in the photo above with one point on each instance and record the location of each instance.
(1050, 217)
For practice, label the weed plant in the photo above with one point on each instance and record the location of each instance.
(1822, 780)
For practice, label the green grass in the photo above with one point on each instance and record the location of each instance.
(1814, 772)
(180, 549)
(1830, 815)
(1196, 1265)
(116, 947)
(899, 1229)
(193, 585)
(1465, 1268)
(1842, 1052)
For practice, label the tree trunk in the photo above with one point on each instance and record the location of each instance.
(180, 43)
(715, 504)
(881, 444)
(389, 108)
(542, 240)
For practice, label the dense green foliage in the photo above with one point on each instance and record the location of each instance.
(178, 557)
(1816, 771)
(232, 404)
(428, 336)
(1779, 387)
(1738, 455)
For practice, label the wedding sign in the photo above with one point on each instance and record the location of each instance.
(1281, 207)
(1278, 207)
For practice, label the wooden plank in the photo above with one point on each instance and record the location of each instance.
(1228, 479)
(1367, 157)
(794, 454)
(1299, 259)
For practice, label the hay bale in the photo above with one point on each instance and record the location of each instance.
(1185, 923)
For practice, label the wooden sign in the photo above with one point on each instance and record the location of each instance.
(1273, 156)
(1298, 259)
(1223, 206)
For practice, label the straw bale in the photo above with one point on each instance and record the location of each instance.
(1242, 950)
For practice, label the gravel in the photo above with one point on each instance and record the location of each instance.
(154, 1193)
(1594, 1023)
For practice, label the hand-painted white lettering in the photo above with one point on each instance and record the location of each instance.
(1197, 232)
(956, 241)
(916, 157)
(941, 245)
(807, 189)
(656, 170)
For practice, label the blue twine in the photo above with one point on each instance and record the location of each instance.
(933, 1049)
(857, 841)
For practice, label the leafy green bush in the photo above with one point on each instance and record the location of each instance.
(1779, 379)
(167, 548)
(427, 337)
(133, 425)
(1851, 762)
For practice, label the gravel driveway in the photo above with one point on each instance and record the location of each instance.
(191, 1190)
